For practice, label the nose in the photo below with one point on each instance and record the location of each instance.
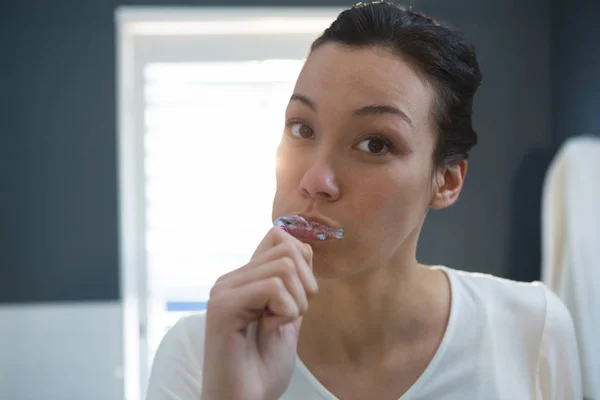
(319, 182)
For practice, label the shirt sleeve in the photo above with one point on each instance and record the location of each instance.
(177, 367)
(559, 370)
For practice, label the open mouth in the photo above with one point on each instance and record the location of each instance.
(301, 228)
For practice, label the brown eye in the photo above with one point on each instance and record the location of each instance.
(376, 146)
(301, 131)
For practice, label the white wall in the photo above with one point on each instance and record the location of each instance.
(54, 351)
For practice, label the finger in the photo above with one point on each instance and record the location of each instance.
(301, 254)
(284, 268)
(247, 303)
(254, 271)
(275, 236)
(307, 253)
(272, 323)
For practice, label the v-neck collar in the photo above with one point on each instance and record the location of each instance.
(435, 360)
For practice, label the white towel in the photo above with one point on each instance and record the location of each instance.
(571, 246)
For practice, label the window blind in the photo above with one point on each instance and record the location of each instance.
(210, 135)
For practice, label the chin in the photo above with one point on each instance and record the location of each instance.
(332, 267)
(323, 268)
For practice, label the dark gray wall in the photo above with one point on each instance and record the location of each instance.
(494, 228)
(575, 62)
(576, 59)
(58, 214)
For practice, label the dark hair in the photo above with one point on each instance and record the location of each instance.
(444, 58)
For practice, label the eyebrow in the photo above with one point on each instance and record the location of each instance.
(373, 109)
(305, 100)
(381, 109)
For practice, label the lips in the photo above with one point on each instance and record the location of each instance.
(310, 227)
(304, 234)
(316, 220)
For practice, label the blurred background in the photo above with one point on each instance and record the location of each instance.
(135, 136)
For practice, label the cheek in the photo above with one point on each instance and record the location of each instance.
(287, 179)
(286, 171)
(391, 201)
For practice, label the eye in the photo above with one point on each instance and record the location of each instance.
(375, 145)
(300, 130)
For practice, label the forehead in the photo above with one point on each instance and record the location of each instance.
(353, 77)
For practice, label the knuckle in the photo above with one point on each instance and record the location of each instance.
(303, 305)
(299, 248)
(215, 291)
(293, 250)
(214, 307)
(288, 266)
(302, 309)
(308, 250)
(288, 247)
(221, 280)
(276, 285)
(277, 232)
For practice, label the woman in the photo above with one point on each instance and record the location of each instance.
(378, 131)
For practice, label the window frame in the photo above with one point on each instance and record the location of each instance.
(153, 34)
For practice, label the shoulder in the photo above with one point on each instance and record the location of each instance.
(558, 364)
(524, 311)
(558, 322)
(177, 364)
(535, 322)
(529, 299)
(526, 299)
(523, 325)
(187, 332)
(186, 335)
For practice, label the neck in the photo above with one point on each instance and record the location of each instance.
(362, 318)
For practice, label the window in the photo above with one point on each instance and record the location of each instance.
(210, 135)
(202, 95)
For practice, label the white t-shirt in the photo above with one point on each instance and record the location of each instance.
(504, 340)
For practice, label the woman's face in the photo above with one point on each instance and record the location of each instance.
(357, 150)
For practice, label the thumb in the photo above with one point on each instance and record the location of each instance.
(269, 324)
(297, 325)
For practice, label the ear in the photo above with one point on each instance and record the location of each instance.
(447, 184)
